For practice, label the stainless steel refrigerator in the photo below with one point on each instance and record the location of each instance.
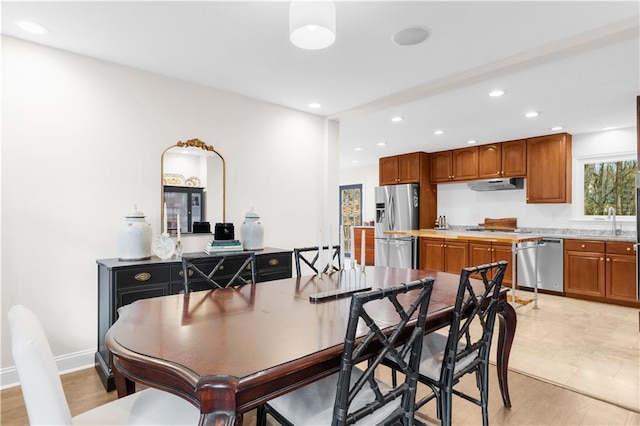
(397, 209)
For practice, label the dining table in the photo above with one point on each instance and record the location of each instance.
(228, 351)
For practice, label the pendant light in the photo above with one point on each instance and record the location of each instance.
(312, 23)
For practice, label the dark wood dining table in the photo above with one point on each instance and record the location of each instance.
(228, 351)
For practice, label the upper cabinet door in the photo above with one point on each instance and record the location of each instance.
(490, 161)
(465, 163)
(388, 167)
(514, 158)
(549, 169)
(409, 168)
(441, 167)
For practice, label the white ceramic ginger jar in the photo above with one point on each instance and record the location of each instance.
(252, 232)
(134, 238)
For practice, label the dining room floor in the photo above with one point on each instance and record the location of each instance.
(589, 347)
(573, 362)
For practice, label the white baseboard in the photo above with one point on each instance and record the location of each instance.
(66, 364)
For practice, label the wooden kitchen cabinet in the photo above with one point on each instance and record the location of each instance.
(455, 165)
(505, 159)
(549, 169)
(441, 167)
(399, 169)
(620, 271)
(599, 270)
(369, 244)
(481, 253)
(444, 255)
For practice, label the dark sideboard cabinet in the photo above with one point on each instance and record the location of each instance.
(124, 282)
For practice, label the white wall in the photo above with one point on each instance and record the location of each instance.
(81, 144)
(465, 207)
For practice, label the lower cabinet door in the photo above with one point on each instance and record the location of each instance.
(503, 252)
(584, 273)
(456, 255)
(621, 277)
(431, 254)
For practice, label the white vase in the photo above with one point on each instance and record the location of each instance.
(252, 232)
(134, 237)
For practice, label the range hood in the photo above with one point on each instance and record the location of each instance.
(496, 184)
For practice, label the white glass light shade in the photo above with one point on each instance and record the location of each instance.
(312, 24)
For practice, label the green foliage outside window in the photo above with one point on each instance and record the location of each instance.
(610, 184)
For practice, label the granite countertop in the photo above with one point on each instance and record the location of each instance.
(461, 234)
(520, 235)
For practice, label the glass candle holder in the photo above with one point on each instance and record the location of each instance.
(163, 246)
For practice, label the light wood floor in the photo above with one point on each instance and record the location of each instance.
(589, 350)
(534, 403)
(593, 348)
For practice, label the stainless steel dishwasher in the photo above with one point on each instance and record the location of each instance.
(550, 265)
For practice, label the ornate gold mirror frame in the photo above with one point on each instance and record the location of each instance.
(194, 143)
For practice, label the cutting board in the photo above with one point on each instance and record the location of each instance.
(505, 223)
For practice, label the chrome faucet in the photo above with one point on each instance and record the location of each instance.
(611, 214)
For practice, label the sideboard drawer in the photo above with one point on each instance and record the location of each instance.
(273, 266)
(142, 276)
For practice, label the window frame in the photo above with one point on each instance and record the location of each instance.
(578, 184)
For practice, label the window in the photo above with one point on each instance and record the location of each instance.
(606, 182)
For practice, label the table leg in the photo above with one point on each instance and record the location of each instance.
(507, 330)
(124, 386)
(218, 401)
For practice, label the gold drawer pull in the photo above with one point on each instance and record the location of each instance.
(583, 246)
(181, 273)
(628, 248)
(143, 276)
(273, 262)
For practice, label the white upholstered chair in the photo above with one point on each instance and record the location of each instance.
(45, 400)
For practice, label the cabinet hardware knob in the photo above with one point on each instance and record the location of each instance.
(608, 259)
(488, 249)
(628, 248)
(142, 276)
(583, 246)
(181, 273)
(602, 258)
(273, 262)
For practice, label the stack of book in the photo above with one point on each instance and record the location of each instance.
(222, 246)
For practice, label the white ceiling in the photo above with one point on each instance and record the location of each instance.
(576, 62)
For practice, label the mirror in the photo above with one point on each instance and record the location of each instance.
(193, 187)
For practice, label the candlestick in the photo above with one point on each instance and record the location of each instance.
(352, 251)
(362, 249)
(164, 229)
(320, 256)
(330, 260)
(178, 219)
(342, 247)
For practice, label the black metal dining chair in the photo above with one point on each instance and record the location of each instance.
(310, 257)
(229, 268)
(355, 396)
(446, 358)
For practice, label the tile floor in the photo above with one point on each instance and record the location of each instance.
(592, 348)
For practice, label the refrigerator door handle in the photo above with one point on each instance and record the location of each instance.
(392, 219)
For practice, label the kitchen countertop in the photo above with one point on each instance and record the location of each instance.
(525, 234)
(494, 237)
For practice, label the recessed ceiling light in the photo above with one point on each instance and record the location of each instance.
(609, 128)
(471, 142)
(555, 128)
(438, 132)
(496, 93)
(397, 119)
(355, 161)
(410, 36)
(32, 27)
(314, 105)
(382, 144)
(357, 149)
(532, 114)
